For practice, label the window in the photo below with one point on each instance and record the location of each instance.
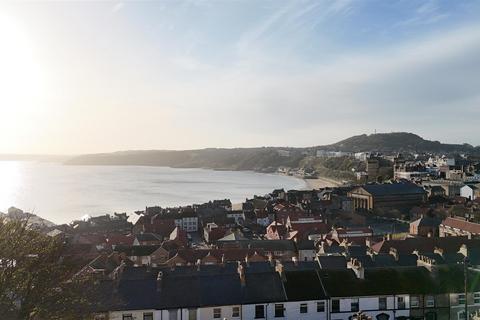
(321, 306)
(335, 305)
(382, 303)
(303, 308)
(235, 312)
(414, 302)
(217, 313)
(172, 314)
(127, 316)
(461, 315)
(476, 297)
(430, 301)
(383, 316)
(430, 315)
(354, 305)
(259, 311)
(192, 314)
(400, 302)
(279, 310)
(148, 316)
(461, 298)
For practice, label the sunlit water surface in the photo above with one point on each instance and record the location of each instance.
(62, 193)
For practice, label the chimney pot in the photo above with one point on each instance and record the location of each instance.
(241, 274)
(280, 269)
(159, 281)
(295, 261)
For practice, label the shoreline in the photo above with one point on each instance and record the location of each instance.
(321, 182)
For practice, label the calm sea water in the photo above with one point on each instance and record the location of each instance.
(62, 193)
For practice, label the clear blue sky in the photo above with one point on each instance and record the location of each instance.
(105, 76)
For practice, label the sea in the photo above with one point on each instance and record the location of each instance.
(63, 193)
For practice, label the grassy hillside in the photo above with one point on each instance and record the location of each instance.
(269, 159)
(260, 159)
(398, 142)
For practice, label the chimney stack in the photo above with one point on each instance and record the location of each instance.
(280, 269)
(117, 274)
(295, 261)
(159, 281)
(463, 250)
(241, 274)
(199, 263)
(270, 259)
(438, 251)
(394, 253)
(357, 268)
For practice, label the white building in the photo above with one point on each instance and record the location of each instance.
(187, 223)
(470, 191)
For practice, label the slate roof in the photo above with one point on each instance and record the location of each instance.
(399, 280)
(138, 288)
(300, 265)
(393, 189)
(267, 245)
(141, 237)
(426, 221)
(356, 250)
(304, 285)
(192, 287)
(424, 245)
(232, 254)
(137, 251)
(306, 245)
(379, 281)
(332, 262)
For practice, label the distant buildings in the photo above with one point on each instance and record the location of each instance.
(470, 191)
(332, 154)
(425, 226)
(373, 166)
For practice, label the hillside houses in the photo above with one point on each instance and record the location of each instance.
(266, 290)
(314, 254)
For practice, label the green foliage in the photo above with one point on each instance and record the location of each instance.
(34, 278)
(397, 142)
(336, 168)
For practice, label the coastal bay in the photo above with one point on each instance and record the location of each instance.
(61, 193)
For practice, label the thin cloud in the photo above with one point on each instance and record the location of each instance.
(118, 6)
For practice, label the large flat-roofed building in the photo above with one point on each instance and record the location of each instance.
(372, 196)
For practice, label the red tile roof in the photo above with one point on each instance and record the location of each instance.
(462, 224)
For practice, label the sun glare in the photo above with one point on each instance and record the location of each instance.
(21, 77)
(11, 180)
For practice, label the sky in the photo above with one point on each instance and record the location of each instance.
(84, 77)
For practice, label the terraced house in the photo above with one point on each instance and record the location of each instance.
(287, 290)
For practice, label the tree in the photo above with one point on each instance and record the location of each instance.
(35, 279)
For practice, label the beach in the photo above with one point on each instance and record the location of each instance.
(321, 182)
